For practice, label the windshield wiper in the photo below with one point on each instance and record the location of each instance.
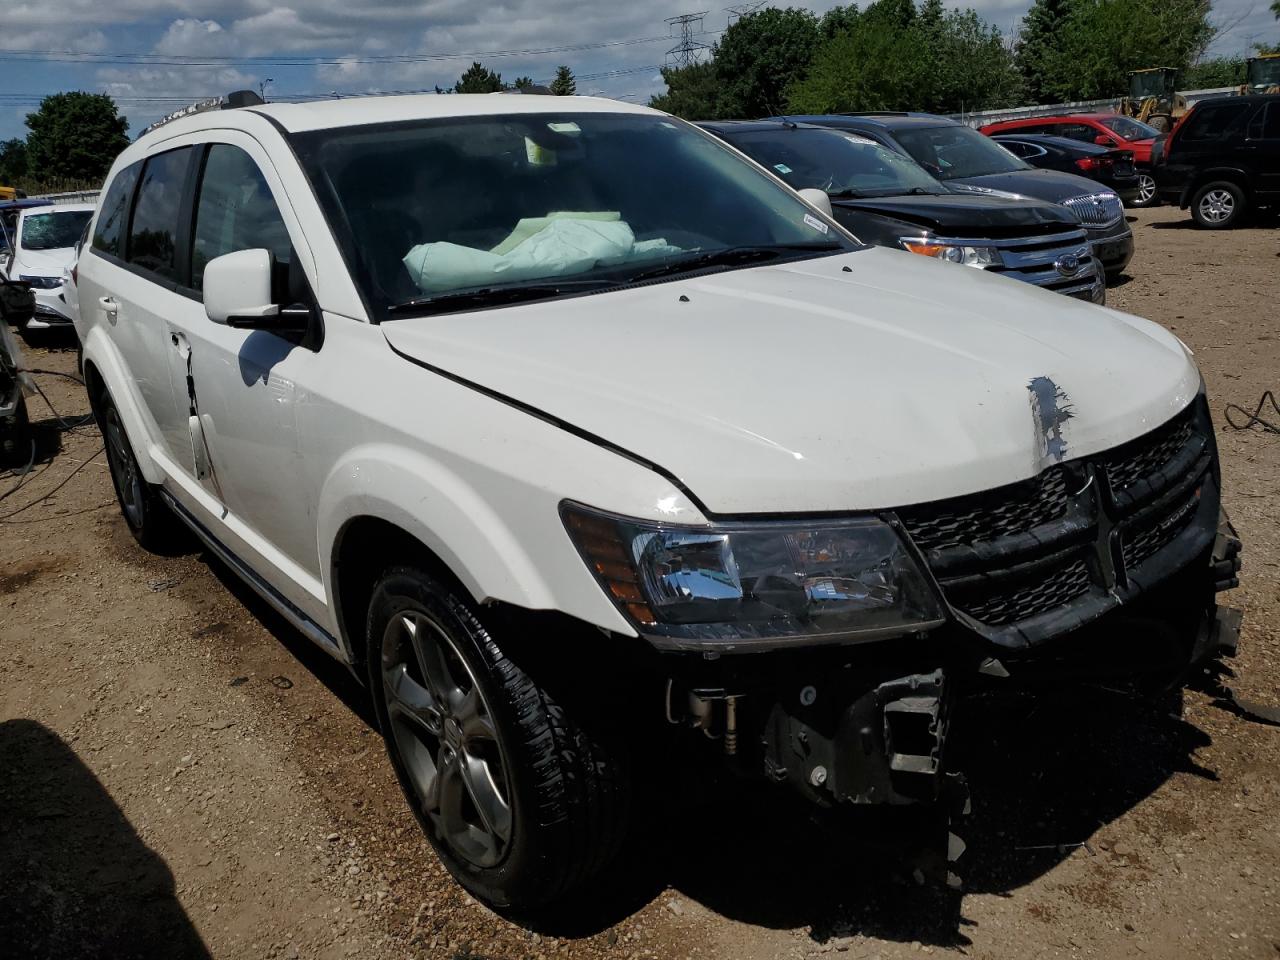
(731, 256)
(493, 296)
(847, 194)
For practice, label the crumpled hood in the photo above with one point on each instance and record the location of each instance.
(43, 263)
(805, 387)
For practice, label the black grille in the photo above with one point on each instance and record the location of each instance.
(1028, 549)
(1004, 512)
(1061, 586)
(1139, 459)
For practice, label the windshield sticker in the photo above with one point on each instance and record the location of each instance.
(814, 222)
(782, 168)
(567, 126)
(538, 155)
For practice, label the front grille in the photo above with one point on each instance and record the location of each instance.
(1074, 533)
(1059, 261)
(1096, 210)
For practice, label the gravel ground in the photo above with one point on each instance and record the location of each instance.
(181, 775)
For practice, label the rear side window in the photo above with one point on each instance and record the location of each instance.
(1213, 122)
(235, 211)
(155, 215)
(114, 214)
(1265, 124)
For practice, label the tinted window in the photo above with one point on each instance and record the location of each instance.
(1212, 122)
(109, 230)
(155, 215)
(955, 152)
(1265, 124)
(53, 231)
(1077, 131)
(235, 211)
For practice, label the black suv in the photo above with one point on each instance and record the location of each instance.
(888, 200)
(962, 157)
(1222, 159)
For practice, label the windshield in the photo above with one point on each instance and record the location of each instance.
(429, 209)
(955, 152)
(1128, 128)
(1265, 73)
(1149, 83)
(839, 163)
(53, 231)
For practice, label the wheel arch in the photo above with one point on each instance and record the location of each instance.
(103, 371)
(1230, 174)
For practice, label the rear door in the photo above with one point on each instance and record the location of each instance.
(1263, 147)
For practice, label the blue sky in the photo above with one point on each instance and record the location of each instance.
(105, 35)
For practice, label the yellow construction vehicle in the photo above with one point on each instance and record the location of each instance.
(1262, 74)
(1152, 98)
(11, 193)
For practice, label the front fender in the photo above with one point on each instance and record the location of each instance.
(100, 352)
(461, 526)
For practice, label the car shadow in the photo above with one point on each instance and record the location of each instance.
(1045, 773)
(77, 880)
(1118, 280)
(1187, 224)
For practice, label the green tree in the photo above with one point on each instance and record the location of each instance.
(1100, 41)
(693, 92)
(973, 69)
(1215, 72)
(523, 83)
(13, 161)
(478, 79)
(759, 55)
(564, 85)
(865, 68)
(837, 20)
(74, 136)
(1036, 40)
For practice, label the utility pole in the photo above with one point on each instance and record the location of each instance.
(688, 51)
(740, 10)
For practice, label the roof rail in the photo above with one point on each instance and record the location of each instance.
(232, 101)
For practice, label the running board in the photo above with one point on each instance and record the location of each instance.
(281, 604)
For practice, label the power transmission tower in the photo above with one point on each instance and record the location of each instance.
(688, 51)
(740, 10)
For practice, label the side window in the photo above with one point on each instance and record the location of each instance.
(155, 214)
(108, 232)
(1265, 124)
(235, 211)
(1077, 131)
(1212, 122)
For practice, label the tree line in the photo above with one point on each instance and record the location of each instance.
(903, 55)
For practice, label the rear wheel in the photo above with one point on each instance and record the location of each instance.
(150, 521)
(1218, 205)
(1147, 196)
(520, 802)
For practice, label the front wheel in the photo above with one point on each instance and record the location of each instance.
(1218, 205)
(1147, 196)
(520, 802)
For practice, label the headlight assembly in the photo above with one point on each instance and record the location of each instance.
(41, 283)
(743, 586)
(952, 253)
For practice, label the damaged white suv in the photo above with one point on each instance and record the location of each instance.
(575, 433)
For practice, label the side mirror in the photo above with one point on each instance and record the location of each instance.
(237, 289)
(1103, 140)
(817, 198)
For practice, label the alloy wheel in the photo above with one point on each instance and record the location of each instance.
(1217, 206)
(446, 739)
(1146, 188)
(124, 468)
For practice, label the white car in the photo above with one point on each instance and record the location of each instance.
(41, 249)
(584, 441)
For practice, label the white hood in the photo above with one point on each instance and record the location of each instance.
(43, 263)
(802, 388)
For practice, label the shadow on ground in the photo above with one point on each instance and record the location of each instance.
(75, 879)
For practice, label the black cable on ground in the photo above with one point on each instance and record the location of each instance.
(23, 474)
(43, 497)
(1254, 419)
(63, 423)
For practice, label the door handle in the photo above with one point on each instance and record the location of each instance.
(110, 307)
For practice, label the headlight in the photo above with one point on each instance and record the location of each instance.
(970, 256)
(739, 586)
(41, 283)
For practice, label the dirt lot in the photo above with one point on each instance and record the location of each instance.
(181, 775)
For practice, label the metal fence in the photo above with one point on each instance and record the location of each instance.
(979, 118)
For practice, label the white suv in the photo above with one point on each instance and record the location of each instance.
(583, 440)
(41, 251)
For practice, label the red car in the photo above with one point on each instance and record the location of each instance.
(1104, 129)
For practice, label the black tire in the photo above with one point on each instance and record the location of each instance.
(565, 793)
(1147, 194)
(15, 438)
(1219, 205)
(150, 521)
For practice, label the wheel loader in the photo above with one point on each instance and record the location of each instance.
(1262, 74)
(1152, 98)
